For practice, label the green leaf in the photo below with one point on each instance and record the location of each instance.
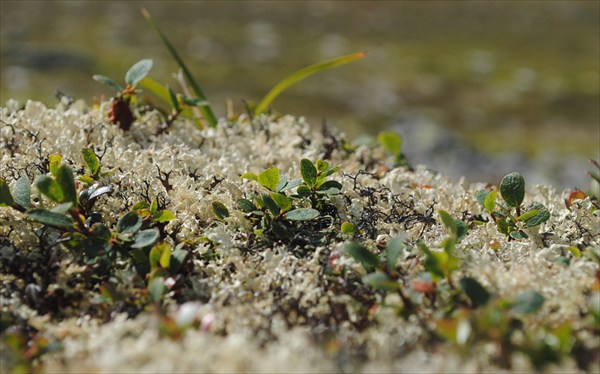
(163, 216)
(205, 110)
(165, 257)
(6, 198)
(348, 228)
(321, 165)
(107, 81)
(394, 249)
(380, 281)
(285, 185)
(138, 71)
(269, 179)
(271, 204)
(439, 264)
(301, 74)
(308, 172)
(129, 223)
(145, 238)
(62, 208)
(391, 141)
(54, 161)
(304, 191)
(327, 172)
(156, 88)
(527, 302)
(448, 221)
(301, 214)
(490, 201)
(49, 188)
(160, 254)
(66, 180)
(22, 191)
(541, 215)
(503, 226)
(156, 289)
(518, 235)
(461, 229)
(512, 189)
(246, 205)
(480, 197)
(220, 210)
(362, 255)
(478, 295)
(91, 161)
(282, 201)
(250, 176)
(330, 187)
(574, 251)
(527, 215)
(140, 205)
(50, 218)
(86, 179)
(178, 257)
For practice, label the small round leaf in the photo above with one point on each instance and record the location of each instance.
(528, 302)
(512, 189)
(301, 214)
(129, 223)
(269, 179)
(145, 238)
(220, 210)
(308, 172)
(478, 295)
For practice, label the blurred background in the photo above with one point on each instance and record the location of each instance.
(477, 88)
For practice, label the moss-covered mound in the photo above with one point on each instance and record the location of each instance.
(264, 246)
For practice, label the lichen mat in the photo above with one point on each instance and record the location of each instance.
(244, 300)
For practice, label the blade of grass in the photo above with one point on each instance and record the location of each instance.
(206, 111)
(294, 78)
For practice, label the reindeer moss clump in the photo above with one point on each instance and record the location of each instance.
(261, 245)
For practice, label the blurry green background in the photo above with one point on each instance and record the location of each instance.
(519, 80)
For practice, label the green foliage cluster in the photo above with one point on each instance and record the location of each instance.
(509, 222)
(466, 312)
(67, 206)
(276, 210)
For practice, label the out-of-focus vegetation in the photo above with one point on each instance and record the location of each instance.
(504, 76)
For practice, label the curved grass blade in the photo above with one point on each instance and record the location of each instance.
(294, 78)
(206, 111)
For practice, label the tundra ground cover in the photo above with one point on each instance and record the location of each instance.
(402, 269)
